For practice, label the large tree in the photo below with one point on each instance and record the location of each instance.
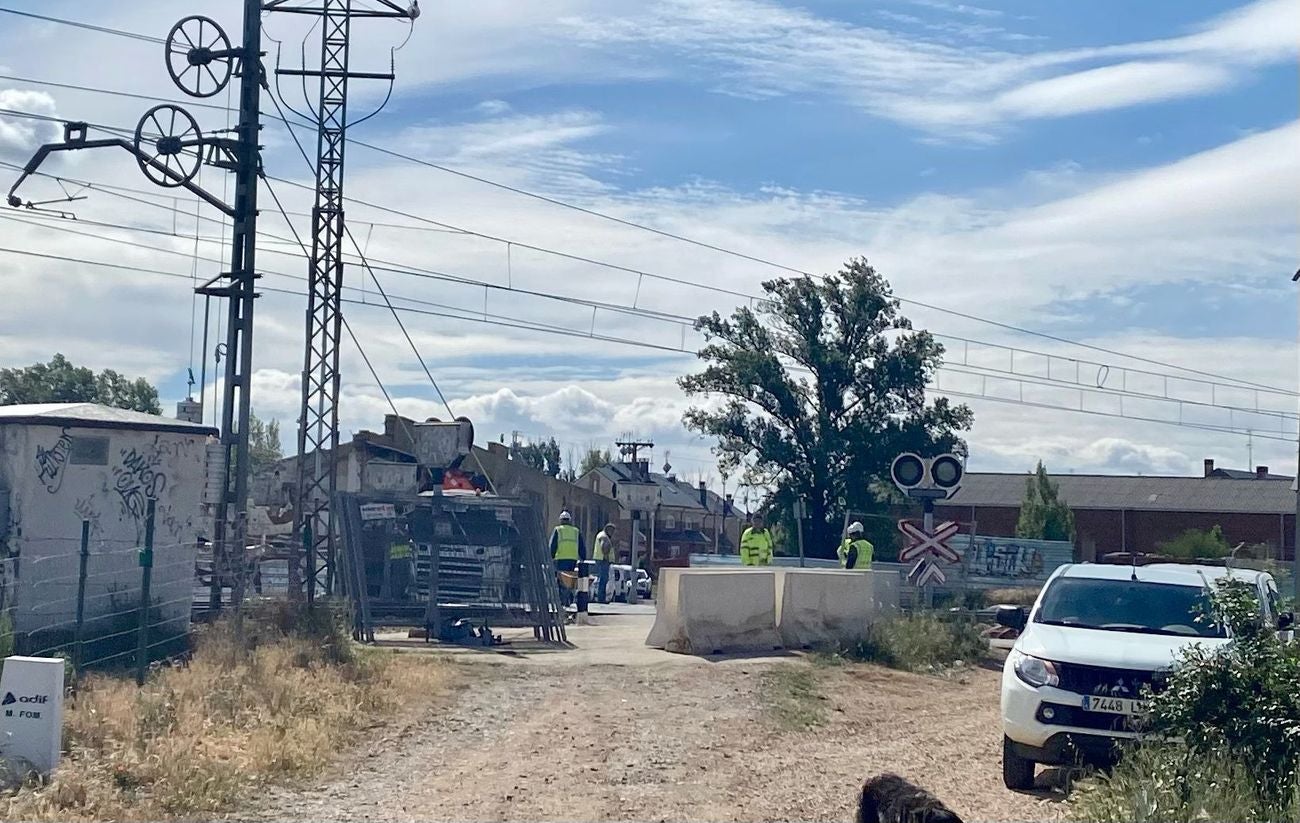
(593, 459)
(544, 456)
(58, 381)
(816, 390)
(264, 449)
(1043, 514)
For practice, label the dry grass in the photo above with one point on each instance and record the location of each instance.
(197, 738)
(1022, 596)
(792, 698)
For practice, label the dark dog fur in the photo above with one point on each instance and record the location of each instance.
(889, 798)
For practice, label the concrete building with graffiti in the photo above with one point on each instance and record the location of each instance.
(69, 468)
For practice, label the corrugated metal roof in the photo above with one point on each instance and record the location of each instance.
(1099, 491)
(94, 415)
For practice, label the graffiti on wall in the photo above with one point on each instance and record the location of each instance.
(89, 512)
(1014, 561)
(50, 462)
(137, 480)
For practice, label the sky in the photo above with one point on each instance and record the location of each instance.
(1120, 179)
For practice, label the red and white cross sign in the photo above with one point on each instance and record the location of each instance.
(921, 544)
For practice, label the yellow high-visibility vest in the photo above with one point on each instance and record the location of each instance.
(566, 542)
(399, 551)
(604, 548)
(756, 547)
(865, 550)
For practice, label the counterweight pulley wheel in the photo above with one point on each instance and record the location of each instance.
(168, 145)
(199, 57)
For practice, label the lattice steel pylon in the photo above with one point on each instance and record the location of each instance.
(318, 419)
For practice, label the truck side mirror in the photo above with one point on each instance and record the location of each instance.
(1013, 617)
(1285, 621)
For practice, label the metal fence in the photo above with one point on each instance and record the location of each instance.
(98, 603)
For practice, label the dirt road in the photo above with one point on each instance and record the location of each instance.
(618, 732)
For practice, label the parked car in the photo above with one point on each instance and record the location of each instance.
(617, 586)
(1096, 637)
(643, 584)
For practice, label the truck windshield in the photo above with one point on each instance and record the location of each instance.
(1127, 606)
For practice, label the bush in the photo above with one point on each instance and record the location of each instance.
(1162, 782)
(1195, 543)
(1234, 712)
(918, 642)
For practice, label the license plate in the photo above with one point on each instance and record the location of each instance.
(1114, 705)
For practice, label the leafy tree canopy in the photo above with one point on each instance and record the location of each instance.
(816, 390)
(593, 459)
(1043, 514)
(544, 456)
(264, 449)
(61, 382)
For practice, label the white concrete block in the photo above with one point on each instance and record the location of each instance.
(712, 611)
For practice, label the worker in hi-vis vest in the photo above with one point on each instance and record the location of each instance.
(567, 552)
(401, 565)
(604, 552)
(756, 544)
(855, 550)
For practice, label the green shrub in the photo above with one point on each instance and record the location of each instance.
(1195, 543)
(1234, 711)
(918, 642)
(1163, 782)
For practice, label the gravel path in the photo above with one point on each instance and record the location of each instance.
(645, 741)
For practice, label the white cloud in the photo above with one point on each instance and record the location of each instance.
(1112, 87)
(1011, 252)
(19, 136)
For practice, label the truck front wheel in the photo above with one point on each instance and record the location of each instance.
(1017, 771)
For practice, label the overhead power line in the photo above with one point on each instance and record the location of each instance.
(501, 321)
(742, 255)
(1104, 383)
(87, 26)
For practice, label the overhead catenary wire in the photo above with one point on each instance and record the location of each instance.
(684, 322)
(87, 26)
(959, 368)
(743, 255)
(986, 372)
(504, 322)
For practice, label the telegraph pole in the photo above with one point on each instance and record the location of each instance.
(631, 449)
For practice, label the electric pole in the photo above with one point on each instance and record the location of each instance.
(318, 417)
(630, 449)
(169, 148)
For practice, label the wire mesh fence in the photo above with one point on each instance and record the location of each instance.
(98, 603)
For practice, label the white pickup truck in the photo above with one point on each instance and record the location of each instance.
(1097, 635)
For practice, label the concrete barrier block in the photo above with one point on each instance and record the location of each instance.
(819, 607)
(886, 588)
(716, 611)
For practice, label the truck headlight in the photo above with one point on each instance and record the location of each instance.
(1034, 671)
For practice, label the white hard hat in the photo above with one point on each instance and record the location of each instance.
(855, 528)
(565, 517)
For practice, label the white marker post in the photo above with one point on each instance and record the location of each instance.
(31, 710)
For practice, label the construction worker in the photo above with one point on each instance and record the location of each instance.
(401, 565)
(756, 544)
(567, 551)
(604, 552)
(855, 550)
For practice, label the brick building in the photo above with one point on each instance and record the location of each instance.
(1136, 513)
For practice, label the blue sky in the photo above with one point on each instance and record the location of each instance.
(1119, 173)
